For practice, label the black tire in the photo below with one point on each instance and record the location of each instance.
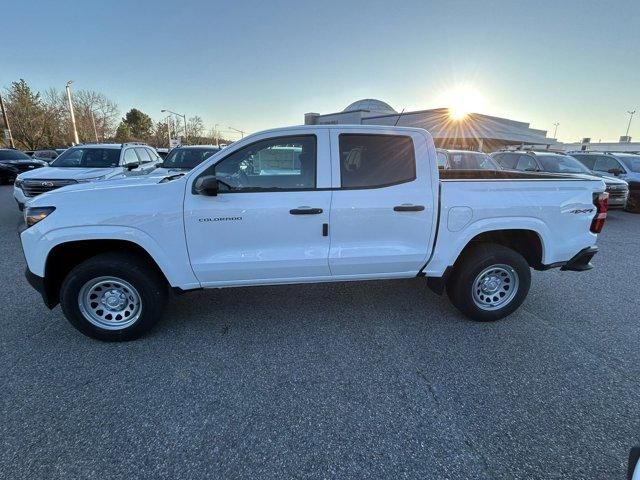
(634, 456)
(633, 205)
(473, 261)
(148, 283)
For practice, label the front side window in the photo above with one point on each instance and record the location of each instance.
(88, 158)
(471, 161)
(605, 163)
(507, 160)
(587, 160)
(373, 161)
(561, 164)
(130, 157)
(143, 155)
(527, 163)
(283, 163)
(188, 158)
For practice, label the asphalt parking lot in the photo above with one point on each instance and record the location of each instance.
(358, 380)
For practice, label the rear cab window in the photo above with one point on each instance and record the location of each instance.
(376, 160)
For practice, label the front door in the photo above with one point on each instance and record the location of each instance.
(266, 225)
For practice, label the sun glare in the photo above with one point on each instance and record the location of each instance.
(461, 101)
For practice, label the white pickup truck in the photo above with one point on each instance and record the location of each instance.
(306, 204)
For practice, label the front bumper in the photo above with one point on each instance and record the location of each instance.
(40, 286)
(581, 261)
(20, 197)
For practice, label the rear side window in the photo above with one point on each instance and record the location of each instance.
(373, 161)
(526, 163)
(143, 155)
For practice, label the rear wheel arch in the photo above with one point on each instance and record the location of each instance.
(65, 256)
(526, 242)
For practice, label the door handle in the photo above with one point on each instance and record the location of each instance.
(305, 211)
(408, 208)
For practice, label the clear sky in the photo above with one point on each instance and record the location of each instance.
(261, 64)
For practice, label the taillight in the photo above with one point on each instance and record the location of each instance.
(601, 201)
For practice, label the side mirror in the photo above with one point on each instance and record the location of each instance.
(207, 185)
(615, 171)
(131, 165)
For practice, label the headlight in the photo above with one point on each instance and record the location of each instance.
(33, 215)
(93, 179)
(18, 183)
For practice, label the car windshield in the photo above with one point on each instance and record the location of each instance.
(471, 161)
(631, 162)
(187, 157)
(13, 155)
(561, 164)
(88, 158)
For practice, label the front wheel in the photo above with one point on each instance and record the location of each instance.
(113, 297)
(489, 282)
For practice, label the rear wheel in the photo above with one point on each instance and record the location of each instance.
(489, 282)
(113, 297)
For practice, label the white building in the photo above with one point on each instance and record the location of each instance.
(473, 132)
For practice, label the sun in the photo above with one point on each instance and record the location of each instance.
(461, 101)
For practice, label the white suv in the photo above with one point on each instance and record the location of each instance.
(86, 163)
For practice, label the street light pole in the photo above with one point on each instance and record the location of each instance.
(95, 130)
(631, 114)
(215, 129)
(241, 132)
(6, 122)
(555, 131)
(73, 117)
(168, 130)
(184, 117)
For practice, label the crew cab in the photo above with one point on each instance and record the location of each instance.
(306, 204)
(85, 163)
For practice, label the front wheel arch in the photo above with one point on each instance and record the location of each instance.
(65, 256)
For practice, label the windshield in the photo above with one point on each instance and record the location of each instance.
(88, 158)
(561, 164)
(13, 155)
(187, 157)
(631, 162)
(471, 161)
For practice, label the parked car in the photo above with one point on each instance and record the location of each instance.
(543, 161)
(633, 467)
(184, 158)
(162, 152)
(15, 162)
(625, 166)
(465, 160)
(364, 202)
(85, 163)
(8, 173)
(46, 155)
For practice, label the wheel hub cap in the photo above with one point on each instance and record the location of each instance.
(495, 287)
(110, 303)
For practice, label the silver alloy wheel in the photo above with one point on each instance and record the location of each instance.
(110, 303)
(495, 287)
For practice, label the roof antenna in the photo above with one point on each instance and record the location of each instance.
(398, 119)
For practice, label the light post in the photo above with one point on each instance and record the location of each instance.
(555, 132)
(215, 131)
(6, 122)
(168, 130)
(95, 130)
(184, 117)
(241, 132)
(73, 117)
(631, 114)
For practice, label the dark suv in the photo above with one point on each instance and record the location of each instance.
(625, 166)
(544, 161)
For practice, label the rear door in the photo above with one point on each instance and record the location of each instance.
(266, 225)
(384, 202)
